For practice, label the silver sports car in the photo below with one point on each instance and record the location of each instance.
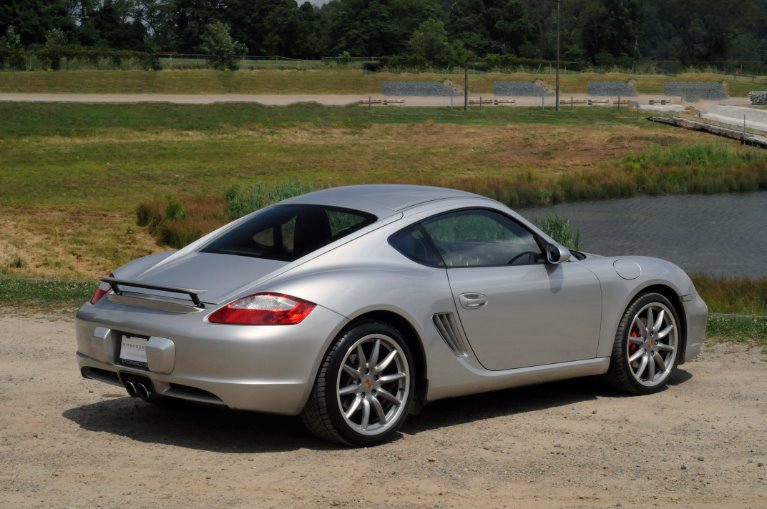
(354, 306)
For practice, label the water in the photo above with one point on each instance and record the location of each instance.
(713, 234)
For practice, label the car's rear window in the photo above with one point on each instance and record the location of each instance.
(288, 232)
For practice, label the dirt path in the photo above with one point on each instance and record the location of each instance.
(346, 99)
(69, 442)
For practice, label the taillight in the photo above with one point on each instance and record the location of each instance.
(102, 290)
(264, 309)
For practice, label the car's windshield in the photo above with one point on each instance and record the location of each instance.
(288, 232)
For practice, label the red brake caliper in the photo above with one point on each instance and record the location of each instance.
(632, 346)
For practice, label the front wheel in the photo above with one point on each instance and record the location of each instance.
(647, 345)
(364, 387)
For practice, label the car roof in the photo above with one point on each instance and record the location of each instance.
(381, 200)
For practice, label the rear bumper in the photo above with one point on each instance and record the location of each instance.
(260, 368)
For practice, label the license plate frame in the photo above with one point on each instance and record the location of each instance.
(133, 351)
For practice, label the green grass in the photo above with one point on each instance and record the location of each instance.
(40, 294)
(728, 294)
(318, 81)
(740, 329)
(67, 119)
(62, 154)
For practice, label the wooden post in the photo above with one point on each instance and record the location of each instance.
(480, 103)
(743, 139)
(370, 102)
(572, 102)
(619, 103)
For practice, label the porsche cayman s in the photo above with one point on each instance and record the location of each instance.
(354, 306)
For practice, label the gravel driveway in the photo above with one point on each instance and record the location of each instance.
(69, 442)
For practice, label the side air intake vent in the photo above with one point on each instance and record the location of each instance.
(451, 332)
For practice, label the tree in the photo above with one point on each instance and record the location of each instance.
(223, 51)
(374, 27)
(611, 31)
(157, 18)
(429, 43)
(491, 26)
(55, 44)
(466, 24)
(191, 17)
(32, 19)
(11, 51)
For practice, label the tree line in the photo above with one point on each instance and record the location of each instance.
(404, 32)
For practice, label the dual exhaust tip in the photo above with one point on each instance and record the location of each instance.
(137, 390)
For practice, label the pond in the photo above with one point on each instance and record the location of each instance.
(722, 234)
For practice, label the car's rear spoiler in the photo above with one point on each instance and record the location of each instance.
(117, 289)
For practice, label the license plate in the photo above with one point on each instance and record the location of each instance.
(133, 350)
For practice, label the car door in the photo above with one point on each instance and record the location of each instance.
(516, 310)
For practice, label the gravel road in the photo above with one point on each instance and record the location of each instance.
(346, 99)
(69, 442)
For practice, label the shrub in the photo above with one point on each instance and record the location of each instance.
(372, 66)
(561, 230)
(149, 214)
(174, 211)
(55, 46)
(224, 51)
(11, 52)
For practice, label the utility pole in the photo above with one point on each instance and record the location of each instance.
(466, 87)
(557, 85)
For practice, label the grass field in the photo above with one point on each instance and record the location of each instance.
(322, 81)
(73, 174)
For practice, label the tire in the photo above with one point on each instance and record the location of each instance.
(364, 387)
(643, 359)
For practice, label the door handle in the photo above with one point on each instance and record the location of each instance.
(472, 300)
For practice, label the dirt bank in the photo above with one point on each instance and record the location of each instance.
(69, 442)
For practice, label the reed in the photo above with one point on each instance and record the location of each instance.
(728, 294)
(695, 169)
(241, 200)
(561, 229)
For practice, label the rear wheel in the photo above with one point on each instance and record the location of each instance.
(647, 345)
(364, 387)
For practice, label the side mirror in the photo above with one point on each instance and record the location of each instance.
(557, 254)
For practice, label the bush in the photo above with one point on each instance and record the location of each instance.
(174, 211)
(561, 230)
(11, 52)
(149, 214)
(372, 66)
(55, 46)
(224, 52)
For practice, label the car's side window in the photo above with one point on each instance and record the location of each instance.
(480, 238)
(412, 242)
